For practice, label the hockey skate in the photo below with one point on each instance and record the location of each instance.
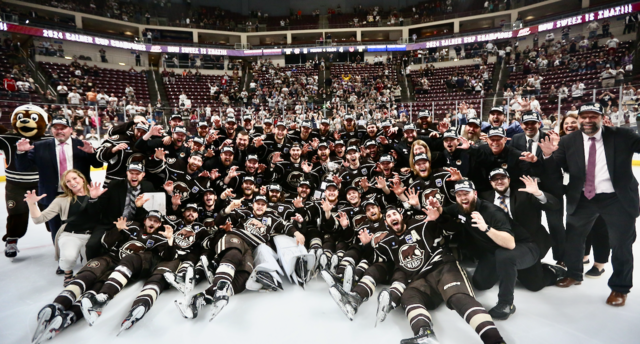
(183, 282)
(348, 278)
(331, 278)
(384, 306)
(57, 324)
(45, 316)
(11, 249)
(134, 316)
(425, 336)
(268, 282)
(335, 261)
(348, 302)
(220, 298)
(209, 268)
(323, 262)
(190, 310)
(303, 275)
(92, 305)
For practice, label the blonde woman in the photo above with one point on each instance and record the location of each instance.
(76, 222)
(419, 147)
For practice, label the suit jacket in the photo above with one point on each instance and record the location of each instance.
(519, 141)
(526, 210)
(550, 183)
(43, 155)
(508, 159)
(619, 146)
(110, 205)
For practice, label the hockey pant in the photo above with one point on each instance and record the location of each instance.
(236, 264)
(353, 256)
(265, 259)
(376, 273)
(131, 266)
(91, 277)
(331, 246)
(288, 253)
(17, 209)
(448, 283)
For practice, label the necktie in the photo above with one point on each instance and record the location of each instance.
(530, 146)
(63, 160)
(590, 182)
(503, 204)
(130, 206)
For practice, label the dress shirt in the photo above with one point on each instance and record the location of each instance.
(534, 144)
(603, 178)
(507, 199)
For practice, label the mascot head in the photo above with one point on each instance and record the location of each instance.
(30, 121)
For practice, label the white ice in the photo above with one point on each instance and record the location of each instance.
(574, 315)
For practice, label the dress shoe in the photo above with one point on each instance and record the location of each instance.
(594, 272)
(567, 282)
(59, 271)
(502, 311)
(616, 299)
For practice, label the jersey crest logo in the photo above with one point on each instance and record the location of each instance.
(411, 257)
(505, 165)
(280, 209)
(185, 237)
(182, 155)
(254, 226)
(93, 264)
(439, 182)
(129, 247)
(171, 161)
(150, 243)
(11, 204)
(195, 189)
(294, 178)
(409, 239)
(182, 189)
(172, 217)
(364, 171)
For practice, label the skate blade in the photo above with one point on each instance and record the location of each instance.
(337, 297)
(327, 278)
(41, 326)
(185, 314)
(347, 279)
(52, 329)
(217, 309)
(135, 316)
(381, 314)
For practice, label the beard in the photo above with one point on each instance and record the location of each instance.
(594, 129)
(472, 207)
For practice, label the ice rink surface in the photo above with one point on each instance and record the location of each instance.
(574, 315)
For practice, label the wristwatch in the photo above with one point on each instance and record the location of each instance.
(488, 229)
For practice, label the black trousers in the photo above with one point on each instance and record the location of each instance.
(93, 247)
(555, 220)
(621, 227)
(598, 238)
(505, 266)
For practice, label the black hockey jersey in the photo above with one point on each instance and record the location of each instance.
(255, 230)
(134, 239)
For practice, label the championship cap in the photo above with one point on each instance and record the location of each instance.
(226, 149)
(450, 133)
(497, 171)
(530, 116)
(369, 201)
(142, 126)
(587, 107)
(175, 116)
(136, 166)
(331, 184)
(424, 113)
(252, 157)
(231, 119)
(191, 206)
(198, 154)
(199, 140)
(386, 124)
(474, 120)
(409, 127)
(179, 130)
(203, 124)
(370, 143)
(267, 121)
(260, 198)
(464, 185)
(351, 187)
(247, 118)
(248, 179)
(61, 120)
(498, 109)
(338, 142)
(306, 124)
(275, 187)
(420, 157)
(305, 182)
(349, 117)
(155, 213)
(497, 131)
(350, 148)
(387, 158)
(323, 144)
(281, 124)
(325, 121)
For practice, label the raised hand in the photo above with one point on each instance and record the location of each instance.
(141, 200)
(23, 145)
(257, 142)
(529, 157)
(233, 172)
(298, 218)
(119, 147)
(31, 198)
(175, 201)
(455, 174)
(168, 187)
(160, 154)
(306, 167)
(413, 196)
(405, 170)
(95, 190)
(314, 143)
(531, 186)
(235, 204)
(555, 138)
(167, 140)
(364, 236)
(227, 194)
(443, 126)
(434, 203)
(432, 213)
(87, 147)
(336, 135)
(364, 184)
(214, 174)
(337, 180)
(297, 202)
(364, 152)
(381, 183)
(464, 143)
(204, 173)
(343, 219)
(167, 233)
(394, 154)
(383, 140)
(262, 168)
(434, 135)
(478, 221)
(121, 223)
(227, 226)
(326, 205)
(263, 190)
(547, 146)
(226, 142)
(156, 130)
(397, 187)
(305, 149)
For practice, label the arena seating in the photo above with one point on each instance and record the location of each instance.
(197, 92)
(110, 80)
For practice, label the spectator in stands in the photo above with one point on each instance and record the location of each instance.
(608, 77)
(605, 28)
(593, 28)
(103, 55)
(92, 97)
(612, 45)
(73, 97)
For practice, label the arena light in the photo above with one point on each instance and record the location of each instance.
(121, 63)
(68, 58)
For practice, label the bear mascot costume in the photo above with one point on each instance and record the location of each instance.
(29, 122)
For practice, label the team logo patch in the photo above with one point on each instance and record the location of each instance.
(185, 237)
(171, 161)
(182, 155)
(195, 189)
(150, 243)
(458, 162)
(93, 264)
(438, 182)
(11, 204)
(235, 240)
(409, 239)
(182, 189)
(504, 165)
(130, 247)
(411, 257)
(294, 178)
(435, 193)
(256, 227)
(364, 171)
(280, 209)
(172, 217)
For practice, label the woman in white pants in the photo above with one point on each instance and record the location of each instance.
(76, 223)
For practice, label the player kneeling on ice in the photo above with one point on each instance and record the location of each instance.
(124, 241)
(245, 229)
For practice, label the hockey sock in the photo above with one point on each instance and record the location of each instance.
(477, 317)
(200, 274)
(346, 261)
(147, 296)
(83, 282)
(117, 280)
(366, 287)
(418, 317)
(227, 268)
(315, 243)
(361, 268)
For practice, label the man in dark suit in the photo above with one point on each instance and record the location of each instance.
(53, 158)
(598, 160)
(118, 200)
(528, 142)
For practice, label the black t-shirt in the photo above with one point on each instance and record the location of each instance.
(83, 222)
(495, 217)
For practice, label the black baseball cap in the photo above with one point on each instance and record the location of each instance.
(260, 198)
(497, 131)
(190, 206)
(203, 124)
(497, 171)
(464, 185)
(60, 120)
(498, 109)
(175, 116)
(179, 129)
(155, 213)
(387, 158)
(226, 149)
(275, 187)
(450, 133)
(588, 107)
(420, 157)
(474, 120)
(530, 116)
(136, 166)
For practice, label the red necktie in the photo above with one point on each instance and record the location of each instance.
(63, 160)
(590, 182)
